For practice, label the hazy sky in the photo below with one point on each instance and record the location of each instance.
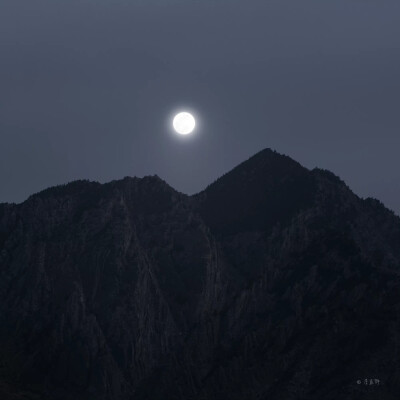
(87, 90)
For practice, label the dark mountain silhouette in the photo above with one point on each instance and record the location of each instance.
(274, 283)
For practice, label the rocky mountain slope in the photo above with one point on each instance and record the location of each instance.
(275, 282)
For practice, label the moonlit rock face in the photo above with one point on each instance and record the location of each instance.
(184, 123)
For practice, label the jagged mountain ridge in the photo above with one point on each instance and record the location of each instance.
(275, 282)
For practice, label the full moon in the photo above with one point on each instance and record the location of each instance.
(184, 123)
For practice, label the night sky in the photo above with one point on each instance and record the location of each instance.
(88, 90)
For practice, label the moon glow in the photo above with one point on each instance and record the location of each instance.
(184, 123)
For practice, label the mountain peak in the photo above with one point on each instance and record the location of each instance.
(263, 189)
(267, 162)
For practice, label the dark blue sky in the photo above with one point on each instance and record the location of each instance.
(87, 89)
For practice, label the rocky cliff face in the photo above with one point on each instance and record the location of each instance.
(276, 282)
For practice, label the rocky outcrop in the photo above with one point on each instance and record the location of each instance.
(275, 282)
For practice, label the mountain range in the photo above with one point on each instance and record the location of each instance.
(274, 283)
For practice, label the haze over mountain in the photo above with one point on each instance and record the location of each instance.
(89, 88)
(275, 282)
